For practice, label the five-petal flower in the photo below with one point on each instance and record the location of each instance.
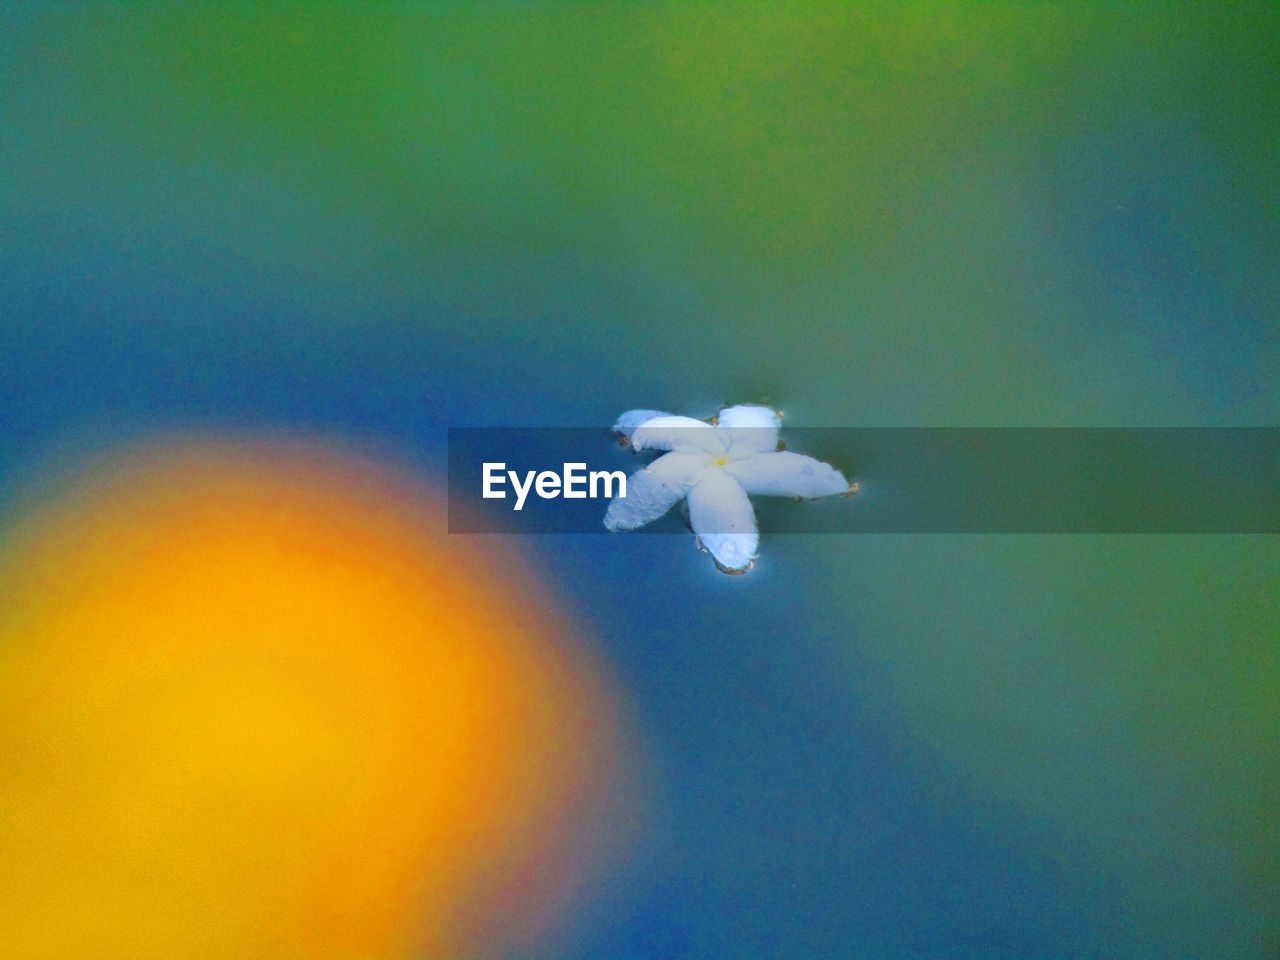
(714, 466)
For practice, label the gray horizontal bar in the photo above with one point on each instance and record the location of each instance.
(930, 480)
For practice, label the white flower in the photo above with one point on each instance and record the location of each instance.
(715, 466)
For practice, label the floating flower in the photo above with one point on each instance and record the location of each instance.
(715, 466)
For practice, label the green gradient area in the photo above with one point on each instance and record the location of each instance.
(1124, 692)
(891, 205)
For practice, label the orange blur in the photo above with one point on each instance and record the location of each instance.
(254, 703)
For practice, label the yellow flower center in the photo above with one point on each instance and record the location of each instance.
(720, 461)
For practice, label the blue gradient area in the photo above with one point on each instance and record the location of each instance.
(797, 814)
(1177, 254)
(798, 817)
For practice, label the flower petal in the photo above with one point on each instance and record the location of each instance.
(721, 515)
(684, 434)
(749, 415)
(787, 474)
(749, 429)
(627, 423)
(655, 489)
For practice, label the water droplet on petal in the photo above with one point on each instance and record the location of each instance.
(733, 571)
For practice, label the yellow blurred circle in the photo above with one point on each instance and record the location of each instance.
(255, 703)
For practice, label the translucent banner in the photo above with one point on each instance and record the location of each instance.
(908, 480)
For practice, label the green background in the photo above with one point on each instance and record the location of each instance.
(372, 224)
